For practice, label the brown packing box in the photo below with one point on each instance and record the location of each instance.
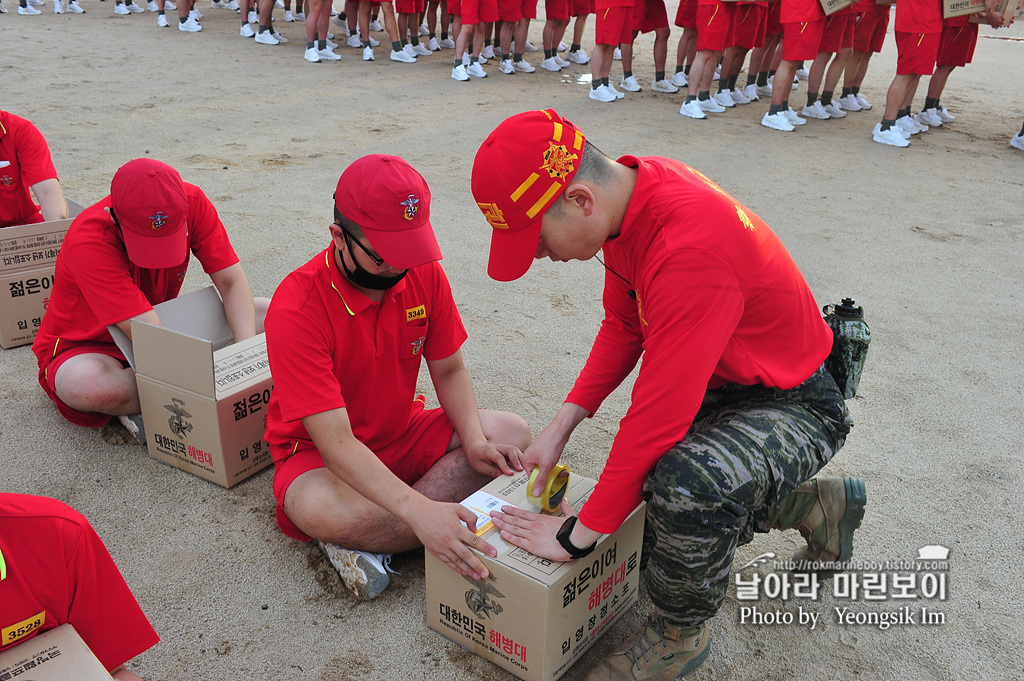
(532, 616)
(1005, 7)
(958, 8)
(204, 398)
(28, 254)
(833, 6)
(56, 655)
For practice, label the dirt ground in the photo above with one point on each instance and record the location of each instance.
(928, 239)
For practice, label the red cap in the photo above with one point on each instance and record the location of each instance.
(520, 170)
(390, 201)
(149, 200)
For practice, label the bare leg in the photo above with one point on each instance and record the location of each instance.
(94, 382)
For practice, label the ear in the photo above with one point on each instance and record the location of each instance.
(337, 235)
(581, 198)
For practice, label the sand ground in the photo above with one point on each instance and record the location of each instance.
(929, 239)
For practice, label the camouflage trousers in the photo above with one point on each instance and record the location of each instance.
(748, 449)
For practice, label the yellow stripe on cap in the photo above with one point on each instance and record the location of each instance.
(557, 136)
(524, 186)
(578, 142)
(536, 208)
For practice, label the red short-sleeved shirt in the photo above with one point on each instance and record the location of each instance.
(799, 11)
(26, 161)
(95, 283)
(607, 4)
(59, 572)
(918, 16)
(718, 300)
(330, 347)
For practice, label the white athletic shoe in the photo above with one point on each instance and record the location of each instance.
(664, 85)
(433, 45)
(930, 117)
(764, 90)
(218, 4)
(367, 53)
(401, 56)
(161, 21)
(750, 92)
(266, 38)
(617, 54)
(253, 17)
(233, 6)
(487, 52)
(424, 29)
(328, 54)
(600, 94)
(777, 121)
(476, 70)
(480, 59)
(459, 73)
(550, 64)
(133, 8)
(300, 16)
(421, 50)
(908, 124)
(288, 16)
(817, 111)
(710, 105)
(195, 13)
(118, 9)
(447, 43)
(692, 110)
(679, 79)
(151, 6)
(74, 8)
(562, 47)
(892, 137)
(523, 66)
(724, 99)
(36, 3)
(278, 37)
(135, 427)
(561, 62)
(1017, 141)
(864, 103)
(3, 10)
(530, 47)
(190, 26)
(579, 57)
(364, 574)
(834, 110)
(278, 4)
(408, 50)
(505, 66)
(375, 26)
(29, 9)
(944, 115)
(630, 84)
(617, 93)
(354, 41)
(57, 9)
(312, 55)
(246, 31)
(802, 74)
(849, 103)
(793, 118)
(738, 96)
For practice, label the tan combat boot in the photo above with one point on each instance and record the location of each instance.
(657, 652)
(828, 527)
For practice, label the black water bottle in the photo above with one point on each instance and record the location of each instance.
(851, 338)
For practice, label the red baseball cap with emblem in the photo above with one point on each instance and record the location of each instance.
(149, 200)
(520, 170)
(390, 201)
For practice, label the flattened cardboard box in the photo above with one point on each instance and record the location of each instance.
(958, 8)
(532, 616)
(204, 399)
(57, 655)
(28, 254)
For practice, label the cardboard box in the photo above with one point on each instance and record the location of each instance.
(531, 616)
(1008, 8)
(204, 397)
(833, 6)
(56, 655)
(958, 8)
(28, 254)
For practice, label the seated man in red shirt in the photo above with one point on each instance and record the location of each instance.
(359, 463)
(55, 570)
(25, 165)
(121, 257)
(733, 411)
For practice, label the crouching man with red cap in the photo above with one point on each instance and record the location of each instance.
(359, 463)
(732, 413)
(121, 257)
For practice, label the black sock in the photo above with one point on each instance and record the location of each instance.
(604, 81)
(704, 95)
(517, 56)
(473, 60)
(487, 42)
(310, 45)
(785, 105)
(686, 70)
(886, 124)
(574, 48)
(826, 97)
(414, 40)
(931, 103)
(903, 112)
(723, 84)
(160, 13)
(321, 44)
(855, 90)
(547, 53)
(752, 78)
(762, 79)
(771, 72)
(847, 91)
(812, 97)
(444, 35)
(396, 45)
(691, 98)
(626, 74)
(775, 108)
(366, 43)
(679, 67)
(458, 62)
(432, 36)
(732, 82)
(182, 21)
(1022, 131)
(596, 84)
(659, 75)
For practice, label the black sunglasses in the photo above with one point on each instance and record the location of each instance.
(379, 262)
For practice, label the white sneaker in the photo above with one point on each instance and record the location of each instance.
(267, 38)
(487, 52)
(718, 71)
(849, 103)
(408, 50)
(834, 110)
(710, 105)
(36, 3)
(233, 5)
(1017, 141)
(330, 43)
(253, 17)
(480, 59)
(364, 574)
(630, 84)
(579, 57)
(777, 121)
(930, 117)
(218, 4)
(892, 137)
(793, 118)
(400, 55)
(802, 74)
(796, 84)
(118, 9)
(193, 14)
(3, 10)
(133, 8)
(375, 26)
(601, 94)
(764, 90)
(161, 21)
(724, 99)
(679, 79)
(523, 66)
(561, 62)
(738, 96)
(617, 54)
(300, 16)
(908, 124)
(57, 9)
(433, 45)
(420, 50)
(476, 70)
(447, 43)
(278, 37)
(562, 47)
(312, 55)
(750, 92)
(424, 29)
(944, 115)
(374, 42)
(134, 425)
(617, 93)
(816, 110)
(246, 31)
(692, 110)
(367, 53)
(664, 85)
(288, 16)
(278, 4)
(354, 41)
(530, 47)
(459, 73)
(328, 54)
(151, 6)
(550, 64)
(74, 8)
(864, 103)
(190, 26)
(506, 66)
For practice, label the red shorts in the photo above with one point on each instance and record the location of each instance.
(649, 15)
(832, 36)
(801, 39)
(529, 9)
(476, 11)
(556, 10)
(454, 8)
(869, 32)
(956, 46)
(614, 26)
(582, 7)
(410, 6)
(409, 458)
(774, 18)
(714, 25)
(48, 375)
(686, 14)
(750, 24)
(916, 53)
(510, 10)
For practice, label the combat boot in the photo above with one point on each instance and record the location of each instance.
(831, 509)
(657, 652)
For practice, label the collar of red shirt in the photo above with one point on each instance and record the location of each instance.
(355, 301)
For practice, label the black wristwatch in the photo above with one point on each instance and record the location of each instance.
(563, 538)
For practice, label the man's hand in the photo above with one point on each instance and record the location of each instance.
(494, 459)
(441, 531)
(533, 531)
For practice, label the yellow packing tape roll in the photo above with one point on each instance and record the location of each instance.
(554, 490)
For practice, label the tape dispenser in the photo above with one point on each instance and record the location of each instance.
(554, 490)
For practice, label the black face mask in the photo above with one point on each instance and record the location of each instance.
(362, 277)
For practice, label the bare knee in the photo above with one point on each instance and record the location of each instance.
(92, 383)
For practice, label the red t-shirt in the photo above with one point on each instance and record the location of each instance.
(718, 300)
(59, 572)
(800, 11)
(95, 283)
(330, 347)
(26, 161)
(608, 4)
(919, 16)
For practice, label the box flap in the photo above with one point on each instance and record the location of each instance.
(28, 246)
(56, 655)
(240, 365)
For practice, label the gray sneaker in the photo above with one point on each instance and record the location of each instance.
(133, 424)
(364, 574)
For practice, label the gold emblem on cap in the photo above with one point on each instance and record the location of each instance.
(493, 215)
(158, 219)
(410, 207)
(558, 161)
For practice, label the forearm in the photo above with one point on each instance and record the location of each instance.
(562, 426)
(239, 308)
(150, 317)
(455, 394)
(51, 199)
